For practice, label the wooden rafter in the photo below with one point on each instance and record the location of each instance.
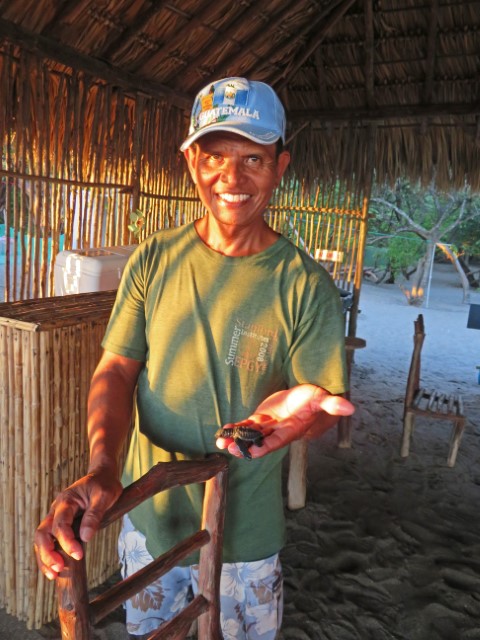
(431, 49)
(133, 30)
(200, 19)
(322, 79)
(369, 54)
(335, 16)
(66, 13)
(226, 36)
(45, 47)
(394, 112)
(295, 40)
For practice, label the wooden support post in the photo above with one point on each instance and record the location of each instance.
(297, 477)
(407, 432)
(456, 436)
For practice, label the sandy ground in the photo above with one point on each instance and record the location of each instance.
(386, 548)
(389, 547)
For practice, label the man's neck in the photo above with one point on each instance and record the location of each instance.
(235, 240)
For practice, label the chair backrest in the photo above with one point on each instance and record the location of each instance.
(413, 382)
(77, 615)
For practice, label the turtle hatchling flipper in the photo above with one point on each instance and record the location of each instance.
(243, 446)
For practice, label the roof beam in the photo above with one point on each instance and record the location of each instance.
(264, 62)
(369, 54)
(331, 21)
(202, 18)
(47, 48)
(323, 94)
(431, 50)
(226, 36)
(131, 32)
(399, 112)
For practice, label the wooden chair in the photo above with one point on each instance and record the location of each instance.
(77, 615)
(298, 457)
(429, 403)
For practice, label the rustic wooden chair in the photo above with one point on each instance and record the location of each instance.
(429, 403)
(298, 457)
(78, 616)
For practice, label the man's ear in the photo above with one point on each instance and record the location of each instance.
(190, 154)
(283, 161)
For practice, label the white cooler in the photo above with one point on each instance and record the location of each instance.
(84, 270)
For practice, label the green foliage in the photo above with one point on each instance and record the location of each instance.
(404, 252)
(137, 222)
(467, 238)
(405, 217)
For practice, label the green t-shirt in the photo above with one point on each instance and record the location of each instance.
(218, 334)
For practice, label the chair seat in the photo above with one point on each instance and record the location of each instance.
(432, 402)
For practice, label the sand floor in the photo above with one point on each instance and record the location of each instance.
(390, 547)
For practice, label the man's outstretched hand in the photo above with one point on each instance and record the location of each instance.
(304, 411)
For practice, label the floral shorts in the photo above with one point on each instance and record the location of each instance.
(251, 593)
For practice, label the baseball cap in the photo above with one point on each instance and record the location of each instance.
(247, 107)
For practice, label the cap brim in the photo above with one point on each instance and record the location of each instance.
(255, 134)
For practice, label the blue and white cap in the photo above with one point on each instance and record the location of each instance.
(247, 107)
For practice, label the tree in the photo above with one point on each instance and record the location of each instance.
(429, 214)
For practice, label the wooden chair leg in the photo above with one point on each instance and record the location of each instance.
(210, 564)
(456, 436)
(297, 475)
(344, 433)
(408, 421)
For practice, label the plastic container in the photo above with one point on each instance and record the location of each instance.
(86, 270)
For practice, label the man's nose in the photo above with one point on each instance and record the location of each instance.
(233, 171)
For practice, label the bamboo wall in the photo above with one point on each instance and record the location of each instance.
(77, 158)
(49, 349)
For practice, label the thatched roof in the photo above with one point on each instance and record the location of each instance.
(401, 75)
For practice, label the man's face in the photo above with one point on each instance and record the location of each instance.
(235, 177)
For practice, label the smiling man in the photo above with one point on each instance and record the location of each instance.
(219, 322)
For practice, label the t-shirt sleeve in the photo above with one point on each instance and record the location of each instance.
(317, 352)
(125, 333)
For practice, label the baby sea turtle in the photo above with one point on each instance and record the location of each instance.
(244, 434)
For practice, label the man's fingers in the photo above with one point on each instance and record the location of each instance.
(334, 405)
(49, 561)
(278, 439)
(100, 501)
(223, 443)
(62, 529)
(91, 520)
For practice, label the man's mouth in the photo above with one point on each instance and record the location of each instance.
(233, 198)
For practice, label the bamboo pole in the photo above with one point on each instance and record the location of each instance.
(5, 361)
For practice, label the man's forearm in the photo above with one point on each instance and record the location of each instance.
(110, 407)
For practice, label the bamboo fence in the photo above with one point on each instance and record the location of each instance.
(328, 222)
(77, 158)
(48, 351)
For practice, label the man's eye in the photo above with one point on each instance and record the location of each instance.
(253, 160)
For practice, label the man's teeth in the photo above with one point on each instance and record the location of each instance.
(233, 197)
